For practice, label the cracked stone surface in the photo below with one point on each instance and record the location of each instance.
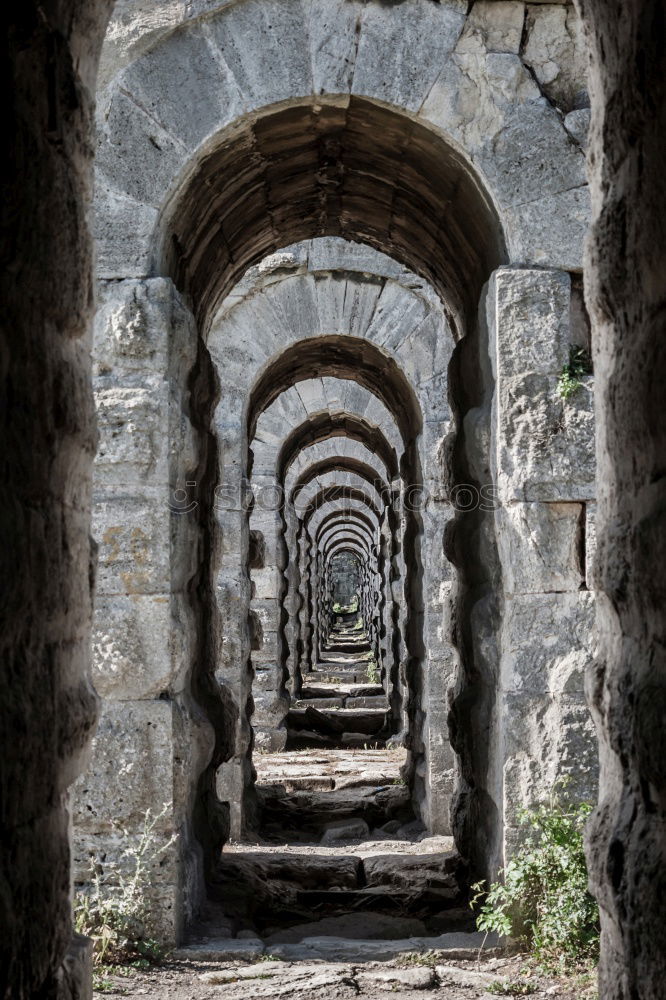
(429, 976)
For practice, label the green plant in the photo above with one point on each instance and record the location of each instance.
(419, 958)
(113, 910)
(579, 365)
(543, 899)
(503, 989)
(373, 672)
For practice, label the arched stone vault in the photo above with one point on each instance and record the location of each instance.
(272, 447)
(627, 72)
(197, 183)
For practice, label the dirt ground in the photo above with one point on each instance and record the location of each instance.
(423, 976)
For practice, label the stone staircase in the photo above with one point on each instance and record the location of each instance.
(339, 705)
(339, 855)
(283, 896)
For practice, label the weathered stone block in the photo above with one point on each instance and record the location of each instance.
(132, 414)
(123, 229)
(590, 544)
(551, 230)
(131, 769)
(546, 740)
(420, 38)
(265, 582)
(530, 316)
(257, 35)
(132, 326)
(134, 550)
(545, 444)
(133, 646)
(555, 50)
(540, 547)
(546, 642)
(495, 27)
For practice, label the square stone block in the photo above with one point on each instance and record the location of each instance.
(132, 417)
(132, 326)
(267, 612)
(544, 445)
(139, 647)
(540, 547)
(133, 533)
(546, 739)
(531, 321)
(547, 643)
(131, 769)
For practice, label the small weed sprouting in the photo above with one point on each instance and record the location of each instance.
(114, 911)
(543, 899)
(579, 365)
(502, 989)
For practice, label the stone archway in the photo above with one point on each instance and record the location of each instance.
(440, 192)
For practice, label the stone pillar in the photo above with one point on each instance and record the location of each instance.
(440, 668)
(626, 296)
(271, 703)
(153, 740)
(542, 455)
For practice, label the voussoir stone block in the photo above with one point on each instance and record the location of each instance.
(540, 547)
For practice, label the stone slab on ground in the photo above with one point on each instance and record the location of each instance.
(418, 978)
(452, 946)
(468, 977)
(370, 926)
(187, 979)
(364, 849)
(221, 950)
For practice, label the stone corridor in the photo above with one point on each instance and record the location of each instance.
(340, 502)
(328, 411)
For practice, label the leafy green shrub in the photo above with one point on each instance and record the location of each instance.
(579, 364)
(543, 899)
(114, 910)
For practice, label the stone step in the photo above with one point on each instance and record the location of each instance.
(304, 815)
(320, 702)
(379, 900)
(346, 675)
(343, 647)
(453, 946)
(304, 739)
(268, 892)
(369, 721)
(312, 690)
(371, 701)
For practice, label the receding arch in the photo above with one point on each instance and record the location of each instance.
(321, 426)
(343, 357)
(339, 463)
(330, 494)
(306, 170)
